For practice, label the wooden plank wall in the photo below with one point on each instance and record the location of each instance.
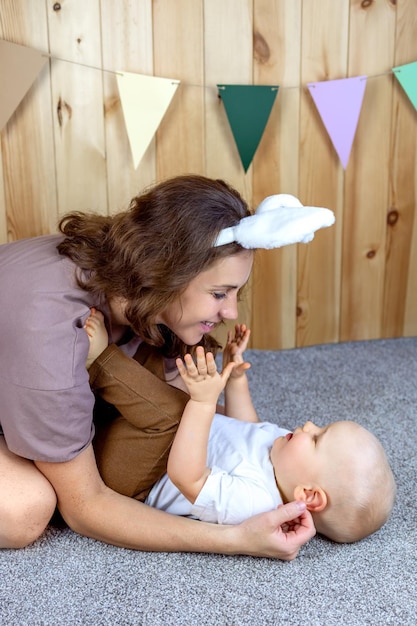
(66, 147)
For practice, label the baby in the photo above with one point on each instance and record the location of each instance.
(225, 468)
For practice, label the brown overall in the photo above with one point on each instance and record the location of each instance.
(134, 436)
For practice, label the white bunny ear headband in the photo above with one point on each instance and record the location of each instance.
(279, 220)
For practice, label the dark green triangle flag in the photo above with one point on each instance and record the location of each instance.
(248, 108)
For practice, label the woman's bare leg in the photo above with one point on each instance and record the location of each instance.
(27, 500)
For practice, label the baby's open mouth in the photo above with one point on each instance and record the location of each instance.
(288, 437)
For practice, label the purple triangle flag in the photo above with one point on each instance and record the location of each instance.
(339, 104)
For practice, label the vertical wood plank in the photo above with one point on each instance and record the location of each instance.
(228, 59)
(27, 141)
(228, 52)
(127, 45)
(3, 218)
(324, 57)
(77, 96)
(400, 282)
(178, 50)
(371, 51)
(277, 35)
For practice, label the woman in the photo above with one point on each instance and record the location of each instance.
(159, 278)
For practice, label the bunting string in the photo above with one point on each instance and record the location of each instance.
(91, 67)
(186, 84)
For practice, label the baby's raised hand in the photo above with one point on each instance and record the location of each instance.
(204, 383)
(234, 349)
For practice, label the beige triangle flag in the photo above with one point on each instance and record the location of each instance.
(19, 67)
(145, 100)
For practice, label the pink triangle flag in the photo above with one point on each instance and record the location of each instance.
(339, 103)
(19, 67)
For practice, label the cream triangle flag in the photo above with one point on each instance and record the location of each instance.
(19, 68)
(145, 100)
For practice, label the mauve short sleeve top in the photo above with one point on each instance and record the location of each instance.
(46, 403)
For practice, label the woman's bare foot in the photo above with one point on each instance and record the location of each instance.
(97, 333)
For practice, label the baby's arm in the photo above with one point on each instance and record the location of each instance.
(187, 463)
(238, 401)
(97, 333)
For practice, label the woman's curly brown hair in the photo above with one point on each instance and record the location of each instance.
(150, 253)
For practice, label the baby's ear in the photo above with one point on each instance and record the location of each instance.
(315, 497)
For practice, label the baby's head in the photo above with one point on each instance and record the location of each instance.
(341, 472)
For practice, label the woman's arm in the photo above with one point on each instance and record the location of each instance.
(92, 509)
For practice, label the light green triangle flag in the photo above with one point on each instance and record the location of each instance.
(248, 108)
(407, 77)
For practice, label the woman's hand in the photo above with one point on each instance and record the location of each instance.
(277, 534)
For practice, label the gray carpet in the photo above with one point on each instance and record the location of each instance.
(65, 579)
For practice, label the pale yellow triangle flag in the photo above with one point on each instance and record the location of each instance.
(19, 67)
(145, 100)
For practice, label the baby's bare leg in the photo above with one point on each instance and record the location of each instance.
(97, 334)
